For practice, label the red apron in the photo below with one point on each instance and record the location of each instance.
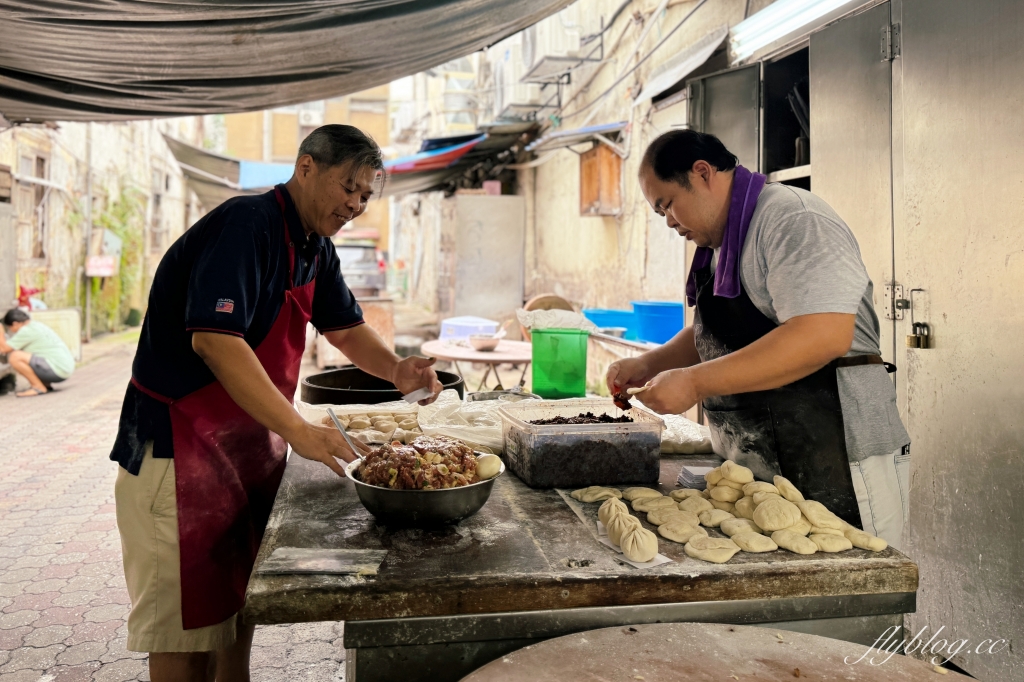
(228, 468)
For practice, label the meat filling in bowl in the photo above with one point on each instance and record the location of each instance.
(427, 463)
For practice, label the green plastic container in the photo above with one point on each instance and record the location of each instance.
(560, 363)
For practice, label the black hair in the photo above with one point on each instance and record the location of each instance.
(671, 156)
(15, 315)
(335, 144)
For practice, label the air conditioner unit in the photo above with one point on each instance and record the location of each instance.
(311, 119)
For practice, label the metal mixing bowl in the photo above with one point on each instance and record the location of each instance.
(420, 508)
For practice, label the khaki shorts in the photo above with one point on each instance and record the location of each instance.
(147, 518)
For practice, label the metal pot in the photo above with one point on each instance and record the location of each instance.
(421, 508)
(353, 386)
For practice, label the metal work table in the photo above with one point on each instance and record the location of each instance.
(525, 569)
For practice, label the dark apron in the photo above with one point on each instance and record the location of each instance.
(795, 430)
(228, 468)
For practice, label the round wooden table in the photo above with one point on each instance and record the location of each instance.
(701, 651)
(507, 353)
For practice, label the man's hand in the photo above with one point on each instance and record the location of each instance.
(414, 373)
(671, 392)
(322, 444)
(363, 346)
(628, 373)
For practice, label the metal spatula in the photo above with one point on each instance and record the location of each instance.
(334, 418)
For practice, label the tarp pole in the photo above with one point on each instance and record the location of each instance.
(88, 228)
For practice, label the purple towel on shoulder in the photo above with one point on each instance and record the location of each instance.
(746, 187)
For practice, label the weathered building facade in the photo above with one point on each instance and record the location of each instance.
(137, 193)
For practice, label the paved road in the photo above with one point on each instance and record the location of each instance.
(63, 602)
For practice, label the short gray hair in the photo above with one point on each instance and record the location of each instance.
(334, 145)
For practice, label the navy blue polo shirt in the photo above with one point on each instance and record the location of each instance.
(226, 274)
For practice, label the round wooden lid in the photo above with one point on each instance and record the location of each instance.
(702, 651)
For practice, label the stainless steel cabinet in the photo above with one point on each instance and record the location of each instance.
(851, 109)
(727, 105)
(959, 188)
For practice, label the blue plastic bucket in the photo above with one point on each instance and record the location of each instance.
(607, 317)
(658, 321)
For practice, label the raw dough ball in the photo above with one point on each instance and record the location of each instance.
(358, 424)
(651, 503)
(754, 542)
(680, 531)
(801, 527)
(662, 516)
(370, 437)
(594, 493)
(695, 505)
(386, 427)
(793, 542)
(758, 498)
(713, 477)
(776, 514)
(639, 544)
(759, 487)
(744, 508)
(714, 517)
(683, 493)
(831, 543)
(639, 493)
(371, 415)
(788, 490)
(597, 494)
(715, 550)
(610, 508)
(488, 466)
(814, 530)
(725, 494)
(819, 515)
(734, 526)
(859, 538)
(360, 416)
(724, 506)
(619, 524)
(408, 424)
(726, 483)
(736, 472)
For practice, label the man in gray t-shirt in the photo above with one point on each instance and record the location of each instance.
(800, 258)
(784, 351)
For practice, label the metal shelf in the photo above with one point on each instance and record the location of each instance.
(794, 173)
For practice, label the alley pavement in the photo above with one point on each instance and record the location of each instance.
(63, 602)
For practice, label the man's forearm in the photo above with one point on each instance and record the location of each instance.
(790, 352)
(238, 369)
(366, 349)
(680, 351)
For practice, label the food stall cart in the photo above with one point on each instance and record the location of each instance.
(524, 569)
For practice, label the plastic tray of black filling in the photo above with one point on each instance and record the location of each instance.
(578, 455)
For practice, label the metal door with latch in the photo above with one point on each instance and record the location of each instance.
(728, 105)
(958, 153)
(851, 92)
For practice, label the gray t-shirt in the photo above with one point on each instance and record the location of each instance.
(800, 258)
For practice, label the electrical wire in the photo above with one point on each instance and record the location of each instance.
(594, 36)
(643, 59)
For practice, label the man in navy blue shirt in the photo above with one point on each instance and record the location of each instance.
(208, 413)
